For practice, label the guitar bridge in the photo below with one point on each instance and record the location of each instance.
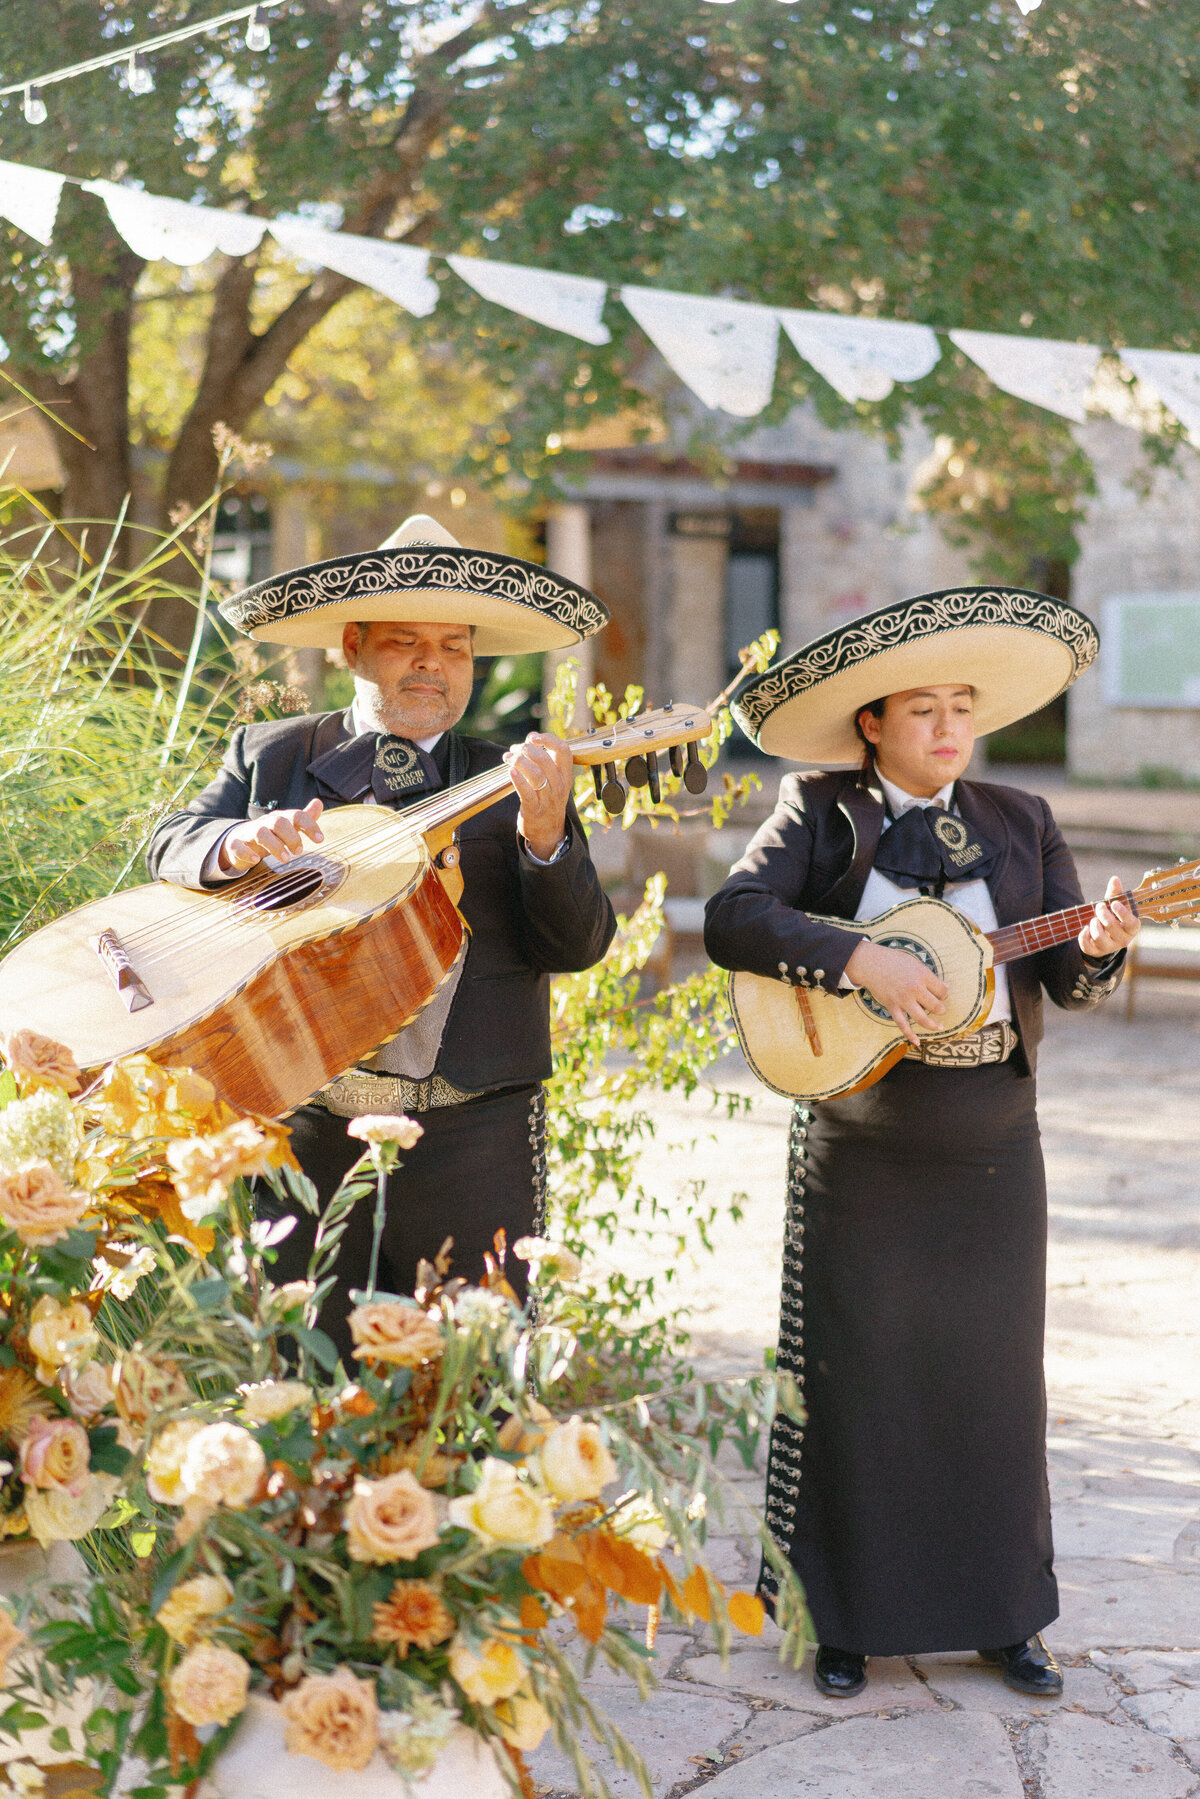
(121, 972)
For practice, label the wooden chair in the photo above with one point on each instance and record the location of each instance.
(1163, 953)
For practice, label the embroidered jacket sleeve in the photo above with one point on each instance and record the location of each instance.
(756, 922)
(182, 842)
(568, 918)
(1073, 980)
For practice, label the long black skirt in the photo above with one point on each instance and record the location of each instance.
(913, 1503)
(478, 1168)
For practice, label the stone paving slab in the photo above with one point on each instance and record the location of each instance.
(1140, 1671)
(1175, 1713)
(1073, 1757)
(1124, 1605)
(760, 1674)
(963, 1680)
(670, 1730)
(928, 1756)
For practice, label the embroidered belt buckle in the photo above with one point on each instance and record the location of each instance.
(359, 1093)
(994, 1043)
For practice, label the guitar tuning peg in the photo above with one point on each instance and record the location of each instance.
(598, 780)
(675, 757)
(612, 792)
(652, 777)
(636, 772)
(695, 775)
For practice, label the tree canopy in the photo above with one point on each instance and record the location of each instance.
(939, 160)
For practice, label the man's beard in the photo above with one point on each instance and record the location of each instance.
(403, 714)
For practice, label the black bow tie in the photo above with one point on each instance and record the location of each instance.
(394, 769)
(928, 847)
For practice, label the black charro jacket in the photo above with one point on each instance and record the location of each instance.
(814, 853)
(527, 922)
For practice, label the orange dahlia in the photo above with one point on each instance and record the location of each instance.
(414, 1617)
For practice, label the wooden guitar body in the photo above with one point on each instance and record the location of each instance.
(271, 986)
(849, 1041)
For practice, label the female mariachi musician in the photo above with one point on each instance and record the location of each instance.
(913, 1504)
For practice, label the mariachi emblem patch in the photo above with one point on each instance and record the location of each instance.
(399, 765)
(955, 839)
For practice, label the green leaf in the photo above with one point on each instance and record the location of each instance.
(8, 1089)
(320, 1347)
(168, 1575)
(207, 1295)
(107, 1455)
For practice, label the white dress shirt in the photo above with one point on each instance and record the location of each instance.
(971, 898)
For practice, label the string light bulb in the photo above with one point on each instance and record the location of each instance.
(35, 106)
(140, 76)
(258, 33)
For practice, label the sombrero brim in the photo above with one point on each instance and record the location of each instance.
(1018, 650)
(515, 606)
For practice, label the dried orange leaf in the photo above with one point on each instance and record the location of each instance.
(746, 1612)
(698, 1589)
(621, 1566)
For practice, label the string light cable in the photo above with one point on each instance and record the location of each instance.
(139, 76)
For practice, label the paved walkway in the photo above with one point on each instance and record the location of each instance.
(1121, 1123)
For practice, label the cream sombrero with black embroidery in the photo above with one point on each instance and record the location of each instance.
(1018, 651)
(421, 573)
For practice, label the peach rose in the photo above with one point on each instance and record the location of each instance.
(164, 1461)
(381, 1127)
(494, 1673)
(523, 1721)
(145, 1387)
(223, 1464)
(56, 1453)
(391, 1520)
(192, 1604)
(204, 1168)
(574, 1461)
(39, 1061)
(271, 1400)
(35, 1202)
(386, 1331)
(504, 1510)
(10, 1638)
(56, 1516)
(334, 1718)
(89, 1390)
(209, 1686)
(60, 1336)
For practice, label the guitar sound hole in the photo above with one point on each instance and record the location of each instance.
(914, 948)
(290, 887)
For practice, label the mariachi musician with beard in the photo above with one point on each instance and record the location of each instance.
(410, 618)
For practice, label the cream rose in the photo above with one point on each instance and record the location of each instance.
(204, 1168)
(271, 1400)
(10, 1639)
(36, 1203)
(504, 1510)
(574, 1461)
(382, 1127)
(56, 1516)
(60, 1336)
(89, 1390)
(164, 1461)
(523, 1721)
(553, 1261)
(391, 1520)
(386, 1331)
(145, 1387)
(192, 1604)
(334, 1718)
(209, 1686)
(56, 1454)
(494, 1673)
(222, 1464)
(39, 1061)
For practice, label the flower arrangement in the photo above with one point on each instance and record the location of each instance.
(80, 1177)
(387, 1558)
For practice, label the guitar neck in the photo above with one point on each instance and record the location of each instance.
(1013, 941)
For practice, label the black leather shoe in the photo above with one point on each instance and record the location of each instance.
(839, 1672)
(1028, 1668)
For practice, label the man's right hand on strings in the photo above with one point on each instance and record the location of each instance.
(277, 834)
